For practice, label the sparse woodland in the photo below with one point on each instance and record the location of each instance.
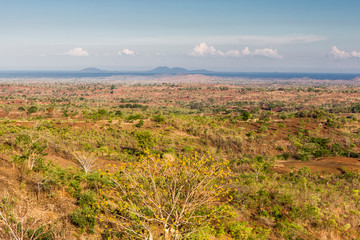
(237, 160)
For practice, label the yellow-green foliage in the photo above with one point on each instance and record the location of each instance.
(174, 197)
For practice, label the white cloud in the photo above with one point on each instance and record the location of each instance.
(160, 54)
(355, 54)
(127, 52)
(77, 52)
(233, 53)
(246, 52)
(203, 49)
(267, 52)
(339, 54)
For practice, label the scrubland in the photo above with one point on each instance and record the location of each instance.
(178, 158)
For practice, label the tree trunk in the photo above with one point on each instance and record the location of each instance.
(167, 233)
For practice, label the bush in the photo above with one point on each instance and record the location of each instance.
(133, 117)
(84, 218)
(140, 123)
(159, 118)
(87, 198)
(144, 139)
(240, 231)
(263, 128)
(245, 115)
(32, 109)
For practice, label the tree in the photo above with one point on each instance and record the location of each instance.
(16, 222)
(259, 166)
(172, 197)
(32, 150)
(85, 160)
(32, 109)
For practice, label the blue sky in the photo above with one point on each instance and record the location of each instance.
(227, 35)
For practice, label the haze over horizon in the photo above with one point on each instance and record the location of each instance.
(284, 36)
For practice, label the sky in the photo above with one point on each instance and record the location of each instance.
(220, 35)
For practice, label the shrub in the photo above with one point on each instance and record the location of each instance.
(245, 115)
(140, 123)
(84, 218)
(240, 231)
(263, 128)
(32, 109)
(159, 118)
(144, 139)
(133, 117)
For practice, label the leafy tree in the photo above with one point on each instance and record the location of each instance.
(32, 150)
(245, 115)
(32, 109)
(259, 166)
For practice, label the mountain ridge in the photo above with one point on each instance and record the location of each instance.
(93, 70)
(176, 70)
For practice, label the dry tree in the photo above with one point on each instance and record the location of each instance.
(85, 160)
(16, 222)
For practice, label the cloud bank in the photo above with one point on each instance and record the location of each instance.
(335, 53)
(126, 52)
(280, 40)
(203, 49)
(247, 40)
(77, 52)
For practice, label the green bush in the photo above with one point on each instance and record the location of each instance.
(74, 188)
(159, 118)
(144, 139)
(140, 123)
(240, 230)
(133, 117)
(32, 109)
(87, 198)
(84, 218)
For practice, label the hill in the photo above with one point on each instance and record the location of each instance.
(176, 70)
(92, 70)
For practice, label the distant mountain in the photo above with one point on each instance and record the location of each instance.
(176, 70)
(92, 70)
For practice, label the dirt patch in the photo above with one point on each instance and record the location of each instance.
(9, 180)
(322, 165)
(61, 162)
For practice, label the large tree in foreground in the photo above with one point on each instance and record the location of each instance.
(171, 198)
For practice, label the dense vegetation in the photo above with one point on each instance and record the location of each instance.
(179, 161)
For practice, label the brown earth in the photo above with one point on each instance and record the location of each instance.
(331, 165)
(31, 203)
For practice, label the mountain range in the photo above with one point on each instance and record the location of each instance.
(176, 70)
(158, 70)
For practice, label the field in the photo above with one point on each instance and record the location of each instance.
(179, 157)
